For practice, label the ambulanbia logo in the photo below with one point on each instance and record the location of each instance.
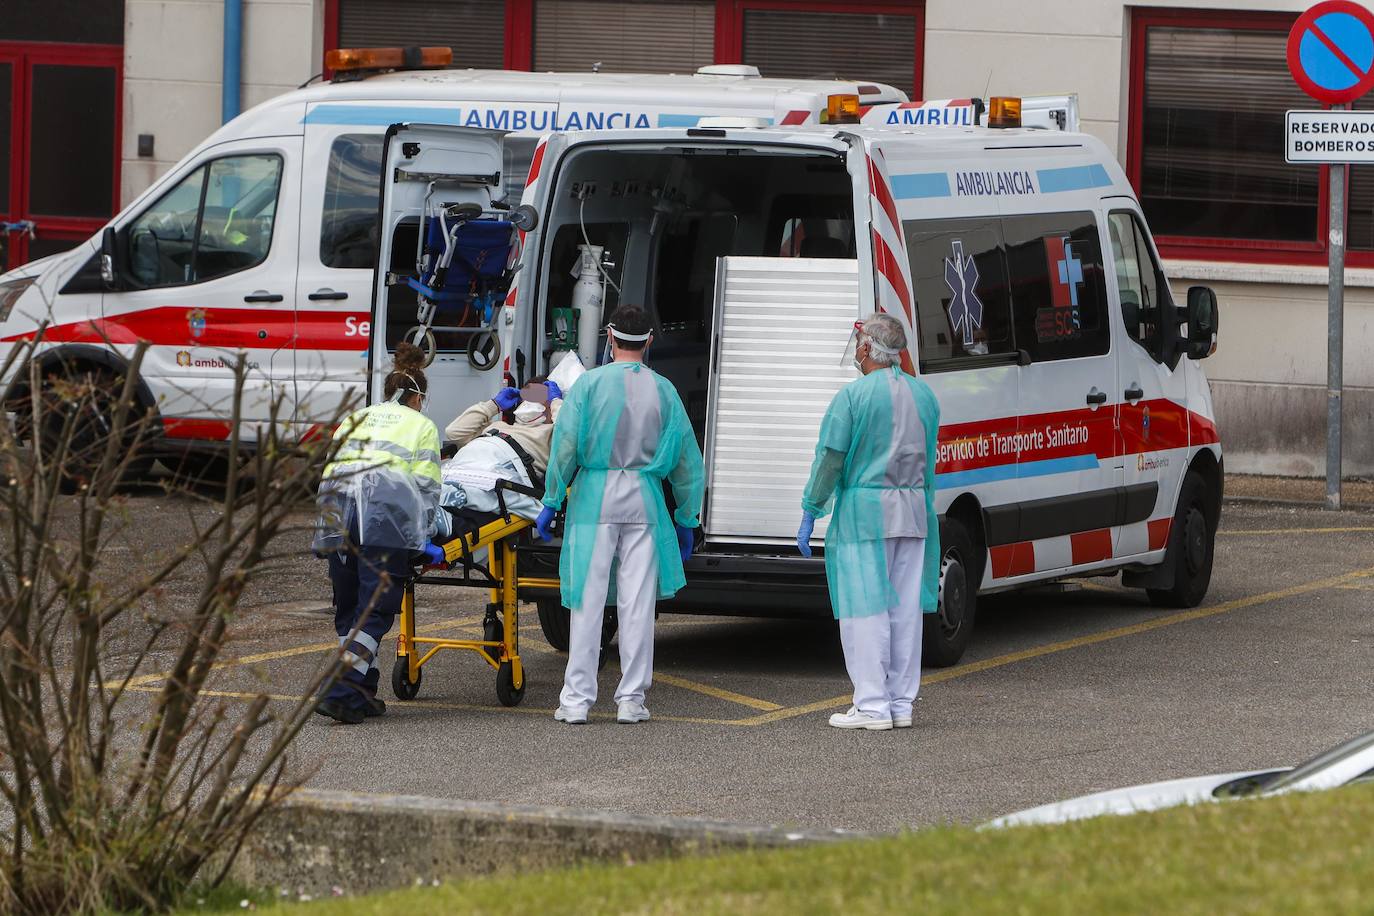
(186, 360)
(1150, 462)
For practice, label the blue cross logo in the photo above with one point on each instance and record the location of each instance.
(965, 309)
(1071, 271)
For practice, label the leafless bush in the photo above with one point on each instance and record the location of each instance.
(121, 781)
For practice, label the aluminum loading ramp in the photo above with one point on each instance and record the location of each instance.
(781, 326)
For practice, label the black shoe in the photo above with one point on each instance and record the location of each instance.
(348, 715)
(376, 706)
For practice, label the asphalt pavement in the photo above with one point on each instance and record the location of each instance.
(1066, 689)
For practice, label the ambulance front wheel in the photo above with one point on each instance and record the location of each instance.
(946, 633)
(506, 691)
(1192, 542)
(401, 684)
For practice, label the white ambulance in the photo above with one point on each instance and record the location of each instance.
(1077, 437)
(262, 240)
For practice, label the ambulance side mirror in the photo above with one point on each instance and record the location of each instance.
(109, 258)
(1203, 319)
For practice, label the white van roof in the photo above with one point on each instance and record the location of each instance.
(712, 91)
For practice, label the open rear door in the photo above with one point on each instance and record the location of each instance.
(428, 168)
(781, 327)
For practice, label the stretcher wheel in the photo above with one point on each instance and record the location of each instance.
(423, 337)
(505, 686)
(401, 684)
(493, 631)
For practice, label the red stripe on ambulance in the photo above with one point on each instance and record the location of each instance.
(1159, 532)
(193, 428)
(1010, 560)
(1091, 546)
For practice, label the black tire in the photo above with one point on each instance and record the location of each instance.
(609, 625)
(493, 631)
(93, 420)
(198, 468)
(401, 684)
(556, 622)
(947, 632)
(505, 685)
(1192, 545)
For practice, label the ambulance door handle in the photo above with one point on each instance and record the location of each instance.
(327, 294)
(262, 295)
(1133, 393)
(1096, 398)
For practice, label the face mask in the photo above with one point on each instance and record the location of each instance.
(529, 414)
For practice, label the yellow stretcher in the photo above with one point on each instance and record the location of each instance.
(499, 646)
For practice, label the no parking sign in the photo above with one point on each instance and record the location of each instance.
(1331, 51)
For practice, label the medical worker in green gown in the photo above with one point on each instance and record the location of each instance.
(621, 433)
(875, 468)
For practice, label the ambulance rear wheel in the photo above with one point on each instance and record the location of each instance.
(1192, 542)
(401, 684)
(556, 622)
(506, 690)
(946, 633)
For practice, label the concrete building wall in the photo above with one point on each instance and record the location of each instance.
(173, 58)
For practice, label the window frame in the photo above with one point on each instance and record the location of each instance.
(729, 29)
(1260, 251)
(125, 229)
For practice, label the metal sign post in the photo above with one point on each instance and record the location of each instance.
(1335, 332)
(1331, 56)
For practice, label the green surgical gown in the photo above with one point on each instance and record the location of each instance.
(622, 432)
(875, 466)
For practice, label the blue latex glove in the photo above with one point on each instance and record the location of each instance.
(541, 524)
(808, 524)
(684, 541)
(554, 391)
(435, 555)
(507, 398)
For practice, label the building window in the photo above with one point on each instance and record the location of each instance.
(1210, 94)
(474, 29)
(624, 36)
(812, 44)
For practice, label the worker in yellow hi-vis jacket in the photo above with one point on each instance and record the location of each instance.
(377, 504)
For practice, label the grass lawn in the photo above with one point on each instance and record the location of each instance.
(1311, 853)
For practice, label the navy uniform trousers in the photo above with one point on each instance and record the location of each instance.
(368, 583)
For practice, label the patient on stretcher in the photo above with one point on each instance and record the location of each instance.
(492, 448)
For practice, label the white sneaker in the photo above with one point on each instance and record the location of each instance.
(631, 712)
(571, 716)
(901, 721)
(856, 719)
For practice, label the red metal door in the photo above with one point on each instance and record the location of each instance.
(59, 160)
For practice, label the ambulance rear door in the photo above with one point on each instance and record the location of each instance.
(422, 165)
(520, 314)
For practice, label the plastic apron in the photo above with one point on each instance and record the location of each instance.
(621, 432)
(875, 466)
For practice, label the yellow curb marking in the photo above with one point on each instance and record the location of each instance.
(457, 623)
(440, 704)
(720, 693)
(1365, 528)
(1010, 658)
(778, 714)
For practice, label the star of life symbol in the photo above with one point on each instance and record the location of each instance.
(965, 309)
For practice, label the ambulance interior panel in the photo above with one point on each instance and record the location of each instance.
(664, 216)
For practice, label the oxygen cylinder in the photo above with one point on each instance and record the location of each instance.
(588, 295)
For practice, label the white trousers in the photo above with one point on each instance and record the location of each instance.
(636, 587)
(882, 653)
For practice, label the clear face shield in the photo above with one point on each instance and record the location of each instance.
(858, 338)
(851, 350)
